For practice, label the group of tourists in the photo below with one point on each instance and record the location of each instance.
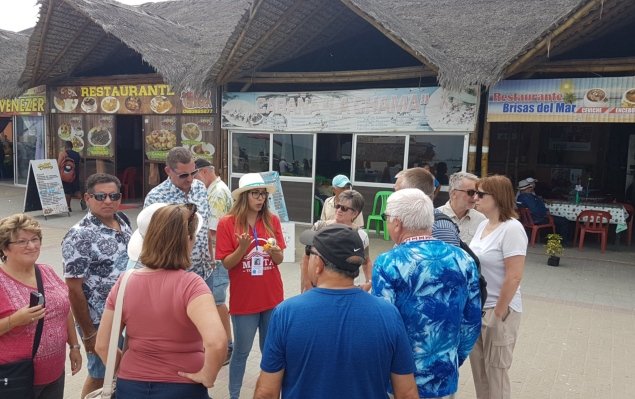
(399, 326)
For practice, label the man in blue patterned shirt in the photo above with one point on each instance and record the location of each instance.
(434, 286)
(181, 188)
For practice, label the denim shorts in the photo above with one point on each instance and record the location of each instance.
(218, 283)
(159, 390)
(96, 368)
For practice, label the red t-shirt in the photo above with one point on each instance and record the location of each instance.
(17, 344)
(250, 294)
(162, 339)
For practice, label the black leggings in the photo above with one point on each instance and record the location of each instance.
(54, 390)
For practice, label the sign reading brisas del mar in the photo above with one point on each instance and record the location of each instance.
(33, 102)
(140, 99)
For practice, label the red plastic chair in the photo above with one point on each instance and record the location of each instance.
(592, 222)
(631, 213)
(128, 178)
(528, 222)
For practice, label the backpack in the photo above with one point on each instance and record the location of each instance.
(481, 280)
(67, 169)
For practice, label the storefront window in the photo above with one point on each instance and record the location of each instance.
(444, 154)
(292, 154)
(29, 144)
(250, 152)
(379, 158)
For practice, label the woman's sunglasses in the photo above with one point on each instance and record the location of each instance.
(343, 208)
(192, 208)
(481, 194)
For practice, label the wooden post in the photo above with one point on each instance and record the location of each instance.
(485, 149)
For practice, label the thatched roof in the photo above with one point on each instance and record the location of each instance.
(13, 48)
(175, 38)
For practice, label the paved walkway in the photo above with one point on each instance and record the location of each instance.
(577, 333)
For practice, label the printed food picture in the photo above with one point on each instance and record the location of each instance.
(191, 132)
(109, 104)
(160, 104)
(203, 149)
(65, 99)
(89, 104)
(99, 136)
(133, 103)
(161, 140)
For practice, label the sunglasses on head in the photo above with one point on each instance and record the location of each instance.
(184, 176)
(192, 208)
(343, 208)
(468, 192)
(102, 196)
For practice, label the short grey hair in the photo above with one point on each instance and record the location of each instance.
(413, 207)
(357, 200)
(417, 178)
(458, 177)
(178, 155)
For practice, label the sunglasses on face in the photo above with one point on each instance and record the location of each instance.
(468, 192)
(256, 194)
(184, 176)
(481, 194)
(102, 196)
(385, 216)
(343, 208)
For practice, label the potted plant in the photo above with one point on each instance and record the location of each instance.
(554, 249)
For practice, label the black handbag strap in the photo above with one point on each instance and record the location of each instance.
(40, 323)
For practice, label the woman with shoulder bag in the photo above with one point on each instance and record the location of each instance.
(20, 279)
(175, 341)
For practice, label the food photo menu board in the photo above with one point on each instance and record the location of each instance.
(162, 133)
(100, 141)
(146, 99)
(70, 128)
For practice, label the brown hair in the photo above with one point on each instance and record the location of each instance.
(501, 189)
(417, 178)
(241, 207)
(165, 245)
(11, 225)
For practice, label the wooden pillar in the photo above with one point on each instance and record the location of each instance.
(485, 149)
(471, 154)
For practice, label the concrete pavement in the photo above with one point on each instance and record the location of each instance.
(576, 337)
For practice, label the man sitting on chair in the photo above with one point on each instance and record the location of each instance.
(527, 198)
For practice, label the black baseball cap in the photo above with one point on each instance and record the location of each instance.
(337, 243)
(202, 163)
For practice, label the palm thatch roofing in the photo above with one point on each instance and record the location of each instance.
(13, 48)
(176, 38)
(202, 43)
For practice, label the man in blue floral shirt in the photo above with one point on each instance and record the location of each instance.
(182, 188)
(434, 285)
(94, 255)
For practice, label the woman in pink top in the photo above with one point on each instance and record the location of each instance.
(176, 342)
(20, 241)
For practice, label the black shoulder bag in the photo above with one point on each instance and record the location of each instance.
(16, 379)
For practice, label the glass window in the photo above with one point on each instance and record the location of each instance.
(250, 152)
(29, 144)
(379, 158)
(444, 154)
(292, 154)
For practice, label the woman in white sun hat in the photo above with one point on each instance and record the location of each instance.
(249, 242)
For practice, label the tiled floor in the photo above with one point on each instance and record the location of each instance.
(577, 336)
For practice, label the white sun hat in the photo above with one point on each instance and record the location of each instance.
(251, 181)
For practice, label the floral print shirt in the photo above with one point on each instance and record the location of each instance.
(168, 193)
(434, 285)
(98, 254)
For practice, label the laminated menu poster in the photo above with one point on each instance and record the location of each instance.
(100, 137)
(160, 136)
(44, 189)
(197, 135)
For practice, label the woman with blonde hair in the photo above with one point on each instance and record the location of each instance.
(250, 244)
(500, 242)
(20, 244)
(176, 343)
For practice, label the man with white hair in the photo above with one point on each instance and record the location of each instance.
(460, 206)
(435, 287)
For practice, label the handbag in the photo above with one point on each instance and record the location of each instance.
(16, 379)
(109, 388)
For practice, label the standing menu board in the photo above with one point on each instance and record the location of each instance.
(44, 188)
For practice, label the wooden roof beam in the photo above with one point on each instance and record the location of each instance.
(603, 65)
(289, 11)
(369, 75)
(61, 55)
(38, 58)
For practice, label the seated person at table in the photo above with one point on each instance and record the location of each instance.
(527, 198)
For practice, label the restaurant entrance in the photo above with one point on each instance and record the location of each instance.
(6, 149)
(129, 155)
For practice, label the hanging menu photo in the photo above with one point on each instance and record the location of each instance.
(196, 135)
(100, 136)
(160, 136)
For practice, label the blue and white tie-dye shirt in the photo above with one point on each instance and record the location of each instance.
(434, 285)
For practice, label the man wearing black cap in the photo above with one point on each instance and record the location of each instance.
(335, 340)
(527, 198)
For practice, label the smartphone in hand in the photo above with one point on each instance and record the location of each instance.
(36, 299)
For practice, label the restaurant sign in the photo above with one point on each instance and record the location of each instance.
(127, 99)
(374, 110)
(563, 100)
(32, 102)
